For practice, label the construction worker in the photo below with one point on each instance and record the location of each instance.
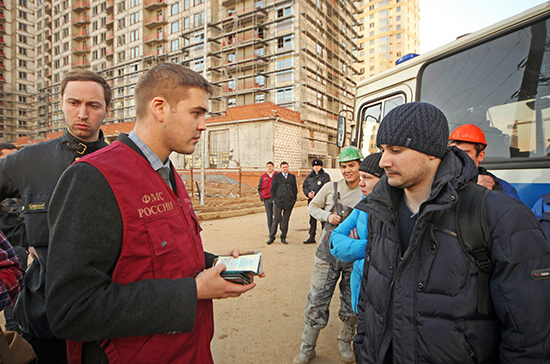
(332, 204)
(471, 140)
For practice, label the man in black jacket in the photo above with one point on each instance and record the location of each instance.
(33, 172)
(312, 184)
(283, 192)
(420, 293)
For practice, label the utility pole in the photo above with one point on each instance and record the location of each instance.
(204, 154)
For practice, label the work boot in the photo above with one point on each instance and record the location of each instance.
(345, 338)
(311, 239)
(307, 349)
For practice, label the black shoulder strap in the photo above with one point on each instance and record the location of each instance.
(473, 234)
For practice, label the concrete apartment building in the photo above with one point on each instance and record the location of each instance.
(388, 30)
(283, 69)
(17, 84)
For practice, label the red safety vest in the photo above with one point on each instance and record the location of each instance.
(266, 185)
(161, 240)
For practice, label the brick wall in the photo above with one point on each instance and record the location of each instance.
(255, 111)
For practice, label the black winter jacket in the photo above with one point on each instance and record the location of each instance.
(284, 191)
(314, 181)
(32, 173)
(422, 304)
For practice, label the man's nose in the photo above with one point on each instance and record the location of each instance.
(385, 161)
(82, 112)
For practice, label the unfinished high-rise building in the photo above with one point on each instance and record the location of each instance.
(388, 30)
(17, 84)
(295, 55)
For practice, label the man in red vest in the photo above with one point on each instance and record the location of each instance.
(264, 190)
(128, 280)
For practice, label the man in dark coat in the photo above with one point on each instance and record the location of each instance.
(419, 293)
(32, 173)
(283, 192)
(312, 184)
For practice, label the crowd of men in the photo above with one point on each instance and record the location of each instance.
(119, 273)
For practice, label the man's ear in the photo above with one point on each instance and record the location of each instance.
(159, 108)
(481, 156)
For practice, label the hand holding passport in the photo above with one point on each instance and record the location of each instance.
(239, 270)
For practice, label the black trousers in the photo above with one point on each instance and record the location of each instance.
(280, 216)
(313, 222)
(268, 203)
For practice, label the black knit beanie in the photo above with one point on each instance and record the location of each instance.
(416, 125)
(371, 165)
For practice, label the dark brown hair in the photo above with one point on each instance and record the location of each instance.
(477, 146)
(85, 75)
(169, 81)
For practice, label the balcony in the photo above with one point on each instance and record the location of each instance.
(228, 3)
(81, 20)
(242, 85)
(155, 21)
(80, 35)
(109, 51)
(155, 37)
(154, 4)
(245, 63)
(109, 4)
(2, 4)
(2, 17)
(81, 49)
(80, 6)
(2, 65)
(2, 29)
(2, 54)
(2, 79)
(109, 20)
(2, 41)
(109, 36)
(157, 52)
(48, 8)
(81, 63)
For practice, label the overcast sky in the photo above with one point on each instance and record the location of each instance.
(441, 21)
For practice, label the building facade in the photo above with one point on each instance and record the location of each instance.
(296, 54)
(388, 31)
(17, 83)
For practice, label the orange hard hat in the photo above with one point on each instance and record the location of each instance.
(469, 133)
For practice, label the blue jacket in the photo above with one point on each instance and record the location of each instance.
(501, 185)
(347, 249)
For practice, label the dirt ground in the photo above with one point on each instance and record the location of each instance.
(225, 197)
(264, 325)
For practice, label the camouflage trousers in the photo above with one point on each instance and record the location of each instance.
(324, 278)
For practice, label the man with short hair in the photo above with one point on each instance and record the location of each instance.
(471, 140)
(284, 192)
(422, 298)
(129, 281)
(264, 190)
(32, 173)
(312, 184)
(332, 204)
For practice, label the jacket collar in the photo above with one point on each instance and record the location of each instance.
(455, 171)
(79, 147)
(321, 172)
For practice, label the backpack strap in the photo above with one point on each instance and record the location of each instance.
(473, 235)
(336, 206)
